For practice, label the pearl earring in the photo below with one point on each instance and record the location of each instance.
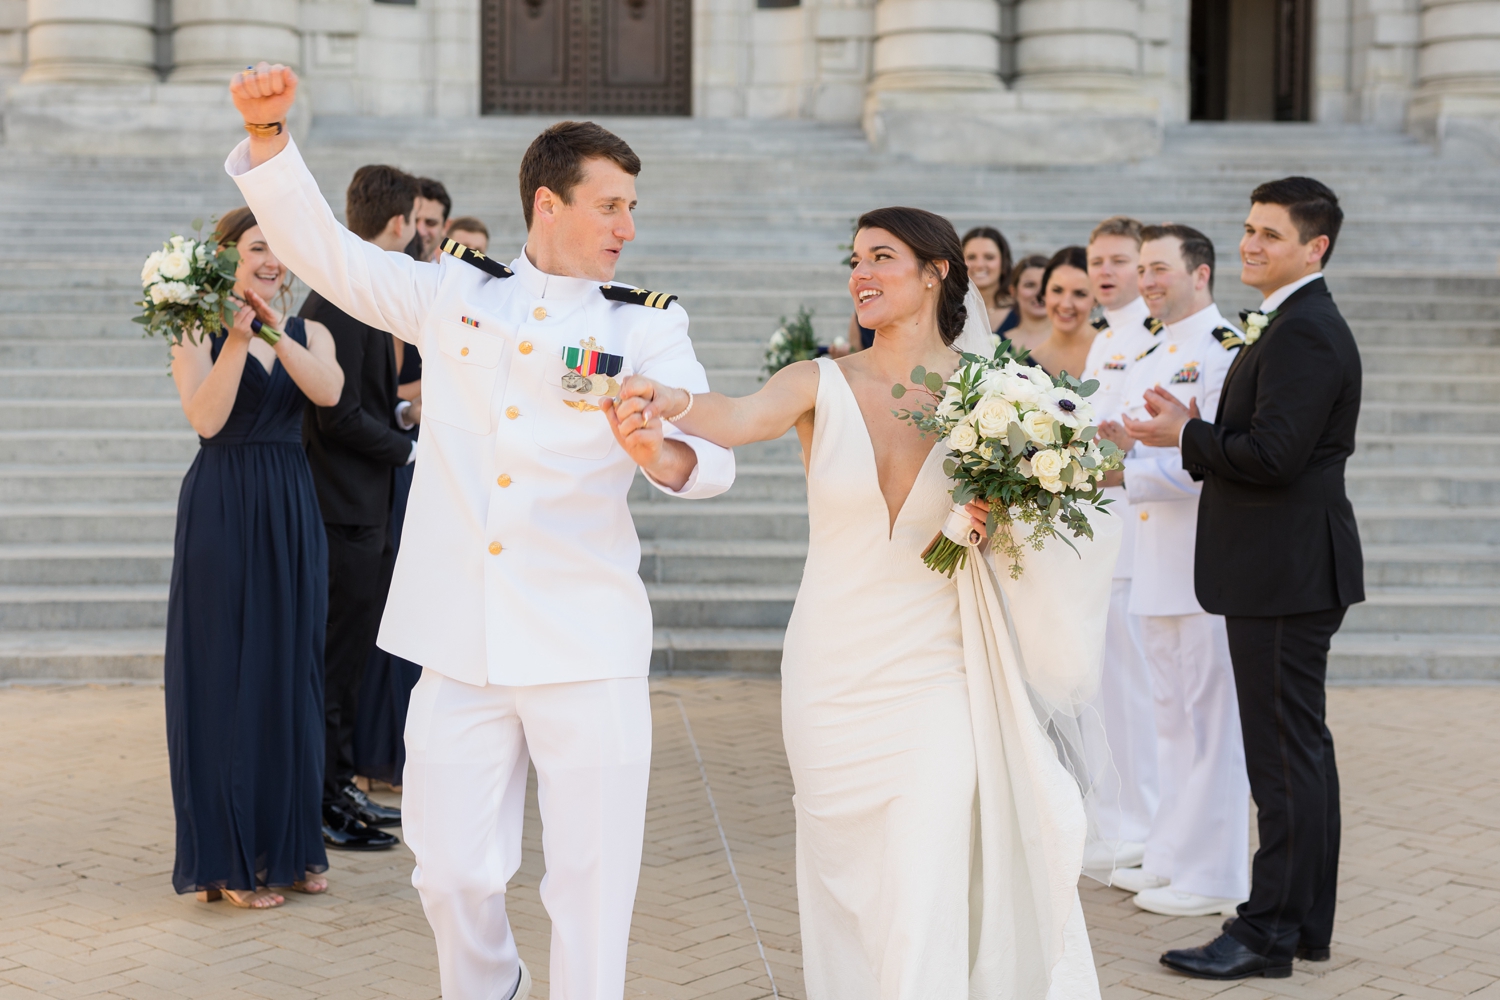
(929, 284)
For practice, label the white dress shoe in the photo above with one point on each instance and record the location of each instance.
(1137, 880)
(1170, 902)
(523, 985)
(1114, 854)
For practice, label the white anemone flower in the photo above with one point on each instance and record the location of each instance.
(1066, 407)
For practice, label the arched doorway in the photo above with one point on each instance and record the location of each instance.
(624, 57)
(1250, 60)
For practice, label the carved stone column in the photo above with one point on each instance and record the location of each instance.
(1077, 44)
(90, 41)
(212, 39)
(936, 45)
(12, 40)
(1457, 102)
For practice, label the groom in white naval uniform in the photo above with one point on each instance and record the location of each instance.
(1127, 332)
(517, 586)
(1197, 857)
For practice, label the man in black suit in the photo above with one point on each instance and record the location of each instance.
(1278, 555)
(354, 448)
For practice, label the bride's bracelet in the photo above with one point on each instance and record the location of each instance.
(684, 411)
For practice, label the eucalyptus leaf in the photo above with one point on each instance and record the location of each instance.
(197, 224)
(934, 382)
(1015, 438)
(950, 467)
(1087, 434)
(1089, 388)
(898, 390)
(919, 374)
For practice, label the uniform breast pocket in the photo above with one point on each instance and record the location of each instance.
(570, 423)
(459, 383)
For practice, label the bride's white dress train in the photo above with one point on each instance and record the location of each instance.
(939, 838)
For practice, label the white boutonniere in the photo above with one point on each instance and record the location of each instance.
(1255, 323)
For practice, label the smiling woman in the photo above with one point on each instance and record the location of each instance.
(248, 600)
(1069, 297)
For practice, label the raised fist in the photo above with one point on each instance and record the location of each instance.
(264, 95)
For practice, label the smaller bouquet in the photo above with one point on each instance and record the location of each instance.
(1019, 439)
(793, 341)
(187, 287)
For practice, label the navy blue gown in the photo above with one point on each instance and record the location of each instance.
(244, 661)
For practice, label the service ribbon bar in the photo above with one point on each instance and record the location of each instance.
(587, 362)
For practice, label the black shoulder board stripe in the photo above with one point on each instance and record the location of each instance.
(1101, 324)
(493, 268)
(637, 296)
(1153, 325)
(1147, 351)
(1229, 337)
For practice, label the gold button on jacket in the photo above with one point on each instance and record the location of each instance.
(1145, 515)
(511, 413)
(540, 312)
(495, 548)
(503, 481)
(524, 347)
(464, 352)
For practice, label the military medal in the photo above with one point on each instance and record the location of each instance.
(590, 370)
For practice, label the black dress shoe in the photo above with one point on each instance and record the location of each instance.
(369, 812)
(1305, 953)
(1224, 958)
(343, 831)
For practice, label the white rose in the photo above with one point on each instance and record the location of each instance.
(171, 291)
(152, 268)
(993, 416)
(177, 242)
(175, 266)
(963, 438)
(1047, 464)
(778, 339)
(951, 405)
(201, 254)
(1038, 427)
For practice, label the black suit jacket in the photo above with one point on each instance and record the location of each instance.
(356, 445)
(1276, 531)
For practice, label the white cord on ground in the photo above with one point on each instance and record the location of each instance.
(724, 839)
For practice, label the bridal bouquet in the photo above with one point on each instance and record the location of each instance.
(1020, 439)
(186, 289)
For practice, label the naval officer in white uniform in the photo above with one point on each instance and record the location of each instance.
(1127, 799)
(517, 586)
(1197, 858)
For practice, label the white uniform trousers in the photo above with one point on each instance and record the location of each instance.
(463, 802)
(1128, 795)
(1201, 836)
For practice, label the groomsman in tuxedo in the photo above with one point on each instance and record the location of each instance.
(354, 448)
(1127, 332)
(1279, 556)
(1197, 853)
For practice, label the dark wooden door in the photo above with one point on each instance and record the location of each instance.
(629, 57)
(1250, 60)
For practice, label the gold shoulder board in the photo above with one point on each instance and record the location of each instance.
(1229, 337)
(637, 296)
(493, 268)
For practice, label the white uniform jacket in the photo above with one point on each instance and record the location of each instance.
(1125, 335)
(1190, 362)
(519, 559)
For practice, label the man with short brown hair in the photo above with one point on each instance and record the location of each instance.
(517, 587)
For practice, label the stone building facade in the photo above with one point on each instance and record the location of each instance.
(992, 81)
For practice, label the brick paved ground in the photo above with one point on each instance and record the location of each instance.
(86, 907)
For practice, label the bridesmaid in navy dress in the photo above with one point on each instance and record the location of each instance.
(248, 602)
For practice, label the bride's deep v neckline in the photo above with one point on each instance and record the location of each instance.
(892, 518)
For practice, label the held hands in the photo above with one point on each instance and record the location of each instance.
(634, 418)
(1168, 415)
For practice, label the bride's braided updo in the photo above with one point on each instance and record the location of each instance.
(931, 238)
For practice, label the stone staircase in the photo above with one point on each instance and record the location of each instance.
(743, 220)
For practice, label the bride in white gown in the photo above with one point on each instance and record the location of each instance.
(939, 838)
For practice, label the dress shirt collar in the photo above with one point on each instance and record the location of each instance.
(1202, 321)
(542, 285)
(1276, 298)
(1131, 316)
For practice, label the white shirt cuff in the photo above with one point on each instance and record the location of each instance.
(403, 421)
(413, 456)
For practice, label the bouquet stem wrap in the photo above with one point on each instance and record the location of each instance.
(948, 552)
